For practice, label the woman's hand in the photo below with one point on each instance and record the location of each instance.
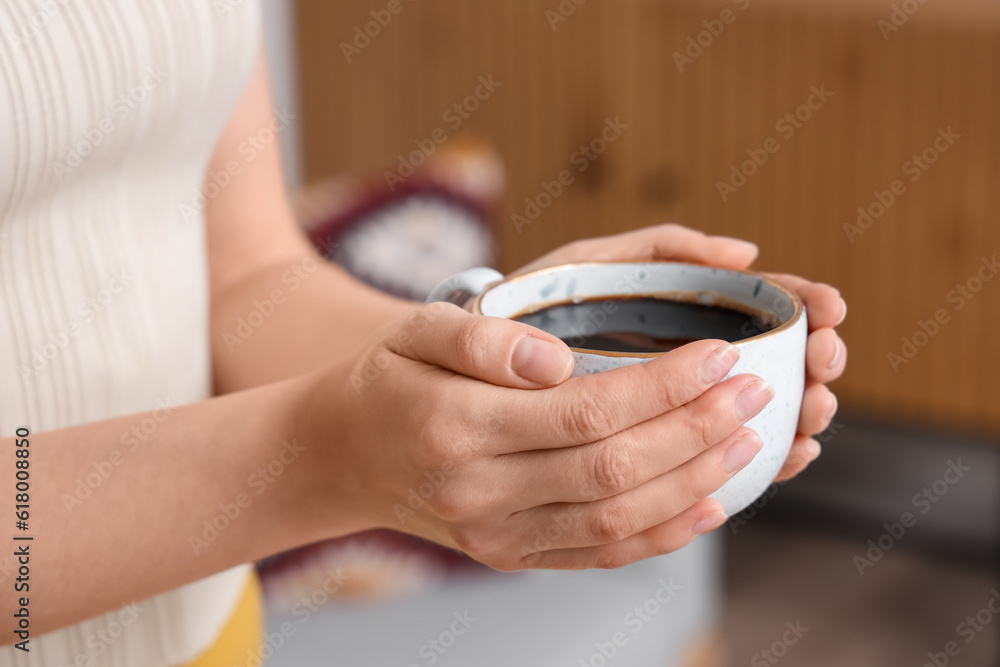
(464, 430)
(826, 353)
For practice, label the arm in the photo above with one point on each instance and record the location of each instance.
(256, 252)
(133, 536)
(136, 535)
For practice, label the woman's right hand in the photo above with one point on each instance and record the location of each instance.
(464, 430)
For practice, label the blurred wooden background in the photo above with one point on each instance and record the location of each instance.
(940, 69)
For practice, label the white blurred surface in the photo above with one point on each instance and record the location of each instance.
(527, 619)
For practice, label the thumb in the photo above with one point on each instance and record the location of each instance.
(492, 349)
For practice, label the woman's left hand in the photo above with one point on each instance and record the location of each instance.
(826, 353)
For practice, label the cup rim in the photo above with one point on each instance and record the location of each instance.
(785, 326)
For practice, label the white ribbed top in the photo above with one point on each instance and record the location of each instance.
(109, 111)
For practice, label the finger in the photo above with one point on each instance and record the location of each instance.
(635, 456)
(591, 408)
(619, 517)
(492, 349)
(679, 243)
(826, 356)
(664, 538)
(657, 243)
(804, 451)
(819, 405)
(825, 305)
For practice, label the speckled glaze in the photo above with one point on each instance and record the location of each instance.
(777, 356)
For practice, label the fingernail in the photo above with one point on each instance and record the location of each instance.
(833, 410)
(740, 453)
(752, 400)
(540, 361)
(844, 316)
(721, 362)
(836, 356)
(710, 522)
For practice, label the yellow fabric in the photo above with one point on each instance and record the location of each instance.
(239, 643)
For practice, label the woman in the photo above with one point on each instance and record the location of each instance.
(143, 217)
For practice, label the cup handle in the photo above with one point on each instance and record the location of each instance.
(464, 286)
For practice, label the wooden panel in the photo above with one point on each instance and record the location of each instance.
(614, 59)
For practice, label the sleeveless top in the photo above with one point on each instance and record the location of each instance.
(109, 112)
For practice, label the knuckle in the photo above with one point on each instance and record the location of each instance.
(613, 469)
(400, 340)
(458, 494)
(588, 420)
(472, 343)
(452, 503)
(663, 547)
(700, 481)
(665, 388)
(703, 427)
(475, 541)
(610, 559)
(669, 393)
(611, 523)
(437, 443)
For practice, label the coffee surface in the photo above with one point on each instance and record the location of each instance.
(643, 324)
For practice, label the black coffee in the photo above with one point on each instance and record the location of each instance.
(643, 324)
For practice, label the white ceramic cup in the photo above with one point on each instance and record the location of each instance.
(777, 356)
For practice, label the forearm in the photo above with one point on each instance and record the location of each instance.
(118, 508)
(291, 318)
